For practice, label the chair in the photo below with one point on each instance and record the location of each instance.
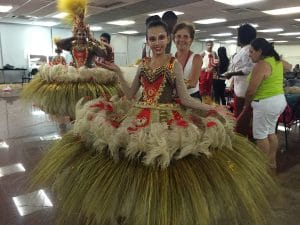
(27, 77)
(290, 117)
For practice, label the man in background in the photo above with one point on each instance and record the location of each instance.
(105, 38)
(242, 66)
(209, 66)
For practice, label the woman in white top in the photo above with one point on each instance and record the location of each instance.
(183, 36)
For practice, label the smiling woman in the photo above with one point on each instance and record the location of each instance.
(183, 36)
(162, 159)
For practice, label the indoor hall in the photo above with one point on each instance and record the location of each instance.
(27, 31)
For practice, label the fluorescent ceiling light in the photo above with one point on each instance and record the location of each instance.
(162, 12)
(211, 21)
(60, 15)
(221, 34)
(298, 20)
(280, 41)
(121, 22)
(200, 31)
(237, 2)
(95, 28)
(128, 32)
(5, 8)
(269, 39)
(272, 30)
(3, 144)
(208, 39)
(283, 11)
(229, 41)
(290, 34)
(298, 37)
(45, 23)
(237, 26)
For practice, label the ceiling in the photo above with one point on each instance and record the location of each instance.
(102, 11)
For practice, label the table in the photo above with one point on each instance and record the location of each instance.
(8, 76)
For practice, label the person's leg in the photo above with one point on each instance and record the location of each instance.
(273, 147)
(216, 91)
(238, 105)
(264, 145)
(222, 87)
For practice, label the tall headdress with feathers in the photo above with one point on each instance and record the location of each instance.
(76, 10)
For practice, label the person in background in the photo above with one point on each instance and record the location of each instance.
(266, 96)
(218, 81)
(58, 59)
(296, 70)
(170, 18)
(183, 36)
(242, 65)
(209, 67)
(148, 21)
(105, 39)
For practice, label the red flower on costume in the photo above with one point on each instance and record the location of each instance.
(211, 124)
(141, 120)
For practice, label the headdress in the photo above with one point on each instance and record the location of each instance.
(76, 10)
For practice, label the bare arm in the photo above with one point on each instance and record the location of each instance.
(101, 49)
(181, 89)
(65, 44)
(286, 66)
(195, 73)
(260, 71)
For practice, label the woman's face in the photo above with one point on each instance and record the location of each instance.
(183, 40)
(157, 39)
(81, 35)
(254, 55)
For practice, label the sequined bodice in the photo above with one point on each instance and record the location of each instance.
(158, 84)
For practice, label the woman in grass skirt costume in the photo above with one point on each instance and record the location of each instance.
(159, 161)
(57, 88)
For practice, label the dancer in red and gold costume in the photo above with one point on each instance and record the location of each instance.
(166, 159)
(57, 87)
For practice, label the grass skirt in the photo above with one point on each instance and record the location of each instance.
(57, 89)
(229, 186)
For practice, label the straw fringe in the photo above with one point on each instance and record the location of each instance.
(60, 98)
(229, 188)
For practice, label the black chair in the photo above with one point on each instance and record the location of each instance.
(27, 77)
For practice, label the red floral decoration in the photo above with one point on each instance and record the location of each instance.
(211, 124)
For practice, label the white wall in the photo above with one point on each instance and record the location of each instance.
(290, 53)
(18, 41)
